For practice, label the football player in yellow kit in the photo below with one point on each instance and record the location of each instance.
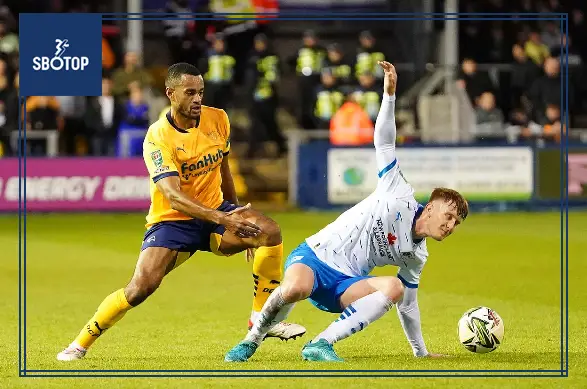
(194, 207)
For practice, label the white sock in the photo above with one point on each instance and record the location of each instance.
(356, 317)
(274, 311)
(254, 316)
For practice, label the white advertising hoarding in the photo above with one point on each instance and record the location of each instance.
(479, 173)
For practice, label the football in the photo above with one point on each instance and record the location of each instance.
(481, 330)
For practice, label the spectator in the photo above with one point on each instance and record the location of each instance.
(309, 61)
(136, 109)
(546, 90)
(336, 64)
(535, 49)
(327, 100)
(551, 36)
(102, 120)
(218, 72)
(72, 109)
(524, 73)
(263, 75)
(9, 113)
(486, 111)
(5, 130)
(578, 30)
(368, 54)
(475, 83)
(134, 124)
(552, 125)
(7, 16)
(131, 71)
(518, 117)
(522, 127)
(368, 95)
(351, 126)
(8, 40)
(43, 113)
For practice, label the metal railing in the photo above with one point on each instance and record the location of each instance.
(51, 137)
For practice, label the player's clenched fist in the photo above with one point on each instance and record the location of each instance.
(390, 78)
(238, 225)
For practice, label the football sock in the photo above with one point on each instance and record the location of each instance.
(109, 312)
(274, 311)
(267, 274)
(356, 317)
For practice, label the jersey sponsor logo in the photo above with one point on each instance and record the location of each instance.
(380, 239)
(391, 238)
(157, 158)
(205, 165)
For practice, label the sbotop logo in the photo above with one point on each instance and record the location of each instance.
(59, 61)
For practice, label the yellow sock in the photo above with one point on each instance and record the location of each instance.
(267, 273)
(109, 312)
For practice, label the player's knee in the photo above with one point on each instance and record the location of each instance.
(137, 291)
(294, 291)
(394, 289)
(271, 233)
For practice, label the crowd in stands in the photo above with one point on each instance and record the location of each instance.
(527, 96)
(338, 90)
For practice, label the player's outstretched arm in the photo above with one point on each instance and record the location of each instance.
(409, 315)
(179, 201)
(385, 130)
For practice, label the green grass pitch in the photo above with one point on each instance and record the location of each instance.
(509, 262)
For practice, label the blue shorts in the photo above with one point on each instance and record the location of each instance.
(329, 284)
(185, 235)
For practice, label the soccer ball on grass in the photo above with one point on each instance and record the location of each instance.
(480, 330)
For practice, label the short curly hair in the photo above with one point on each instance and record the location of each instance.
(175, 71)
(451, 196)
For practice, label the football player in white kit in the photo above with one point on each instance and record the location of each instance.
(332, 267)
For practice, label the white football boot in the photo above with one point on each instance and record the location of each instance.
(286, 331)
(72, 353)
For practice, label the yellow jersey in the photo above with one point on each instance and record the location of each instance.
(194, 155)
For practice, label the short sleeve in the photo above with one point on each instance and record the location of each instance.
(226, 128)
(158, 158)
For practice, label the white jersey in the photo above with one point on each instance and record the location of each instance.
(378, 230)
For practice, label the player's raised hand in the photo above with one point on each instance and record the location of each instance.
(389, 78)
(238, 225)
